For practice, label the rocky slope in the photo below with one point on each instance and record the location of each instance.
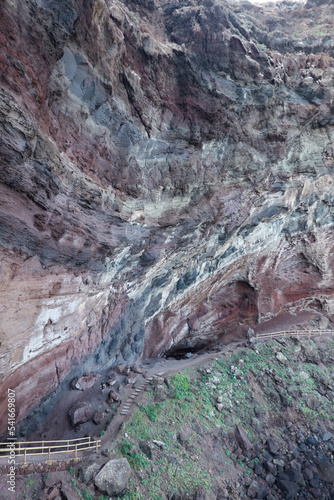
(166, 180)
(251, 421)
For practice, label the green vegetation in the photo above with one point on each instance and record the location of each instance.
(252, 385)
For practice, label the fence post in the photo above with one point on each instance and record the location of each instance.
(49, 453)
(88, 441)
(25, 455)
(76, 451)
(68, 445)
(42, 447)
(97, 445)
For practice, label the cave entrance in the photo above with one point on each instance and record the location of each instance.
(184, 352)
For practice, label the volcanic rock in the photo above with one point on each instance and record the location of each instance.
(83, 383)
(326, 472)
(242, 439)
(139, 214)
(80, 413)
(113, 477)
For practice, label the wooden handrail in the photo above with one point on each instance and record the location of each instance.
(24, 448)
(294, 332)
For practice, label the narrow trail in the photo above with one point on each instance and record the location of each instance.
(159, 367)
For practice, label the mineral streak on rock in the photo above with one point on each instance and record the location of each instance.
(166, 179)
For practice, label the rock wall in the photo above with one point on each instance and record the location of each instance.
(166, 179)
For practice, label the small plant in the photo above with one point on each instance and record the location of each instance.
(86, 495)
(152, 411)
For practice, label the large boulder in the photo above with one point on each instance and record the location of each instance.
(80, 413)
(114, 476)
(83, 383)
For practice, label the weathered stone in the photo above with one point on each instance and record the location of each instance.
(132, 378)
(113, 397)
(83, 383)
(279, 462)
(270, 478)
(122, 370)
(288, 487)
(113, 478)
(80, 413)
(242, 439)
(327, 436)
(68, 492)
(112, 380)
(137, 369)
(262, 492)
(253, 489)
(295, 465)
(157, 380)
(88, 471)
(280, 356)
(146, 449)
(160, 444)
(99, 417)
(326, 472)
(273, 447)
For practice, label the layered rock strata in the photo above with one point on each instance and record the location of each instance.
(166, 179)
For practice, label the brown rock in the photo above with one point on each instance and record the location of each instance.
(112, 380)
(122, 370)
(242, 439)
(99, 417)
(137, 369)
(80, 413)
(326, 472)
(113, 397)
(132, 378)
(83, 383)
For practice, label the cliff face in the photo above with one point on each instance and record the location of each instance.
(166, 179)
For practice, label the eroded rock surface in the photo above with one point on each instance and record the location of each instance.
(165, 182)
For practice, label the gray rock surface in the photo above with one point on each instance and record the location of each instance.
(113, 478)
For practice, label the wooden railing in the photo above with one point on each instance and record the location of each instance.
(49, 448)
(294, 332)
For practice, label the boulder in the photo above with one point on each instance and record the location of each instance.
(262, 492)
(146, 448)
(83, 383)
(253, 489)
(113, 478)
(132, 378)
(137, 369)
(122, 370)
(326, 472)
(112, 397)
(157, 380)
(273, 447)
(112, 380)
(327, 436)
(281, 358)
(288, 487)
(98, 417)
(80, 413)
(90, 470)
(242, 439)
(270, 478)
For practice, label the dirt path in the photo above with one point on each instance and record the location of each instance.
(157, 367)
